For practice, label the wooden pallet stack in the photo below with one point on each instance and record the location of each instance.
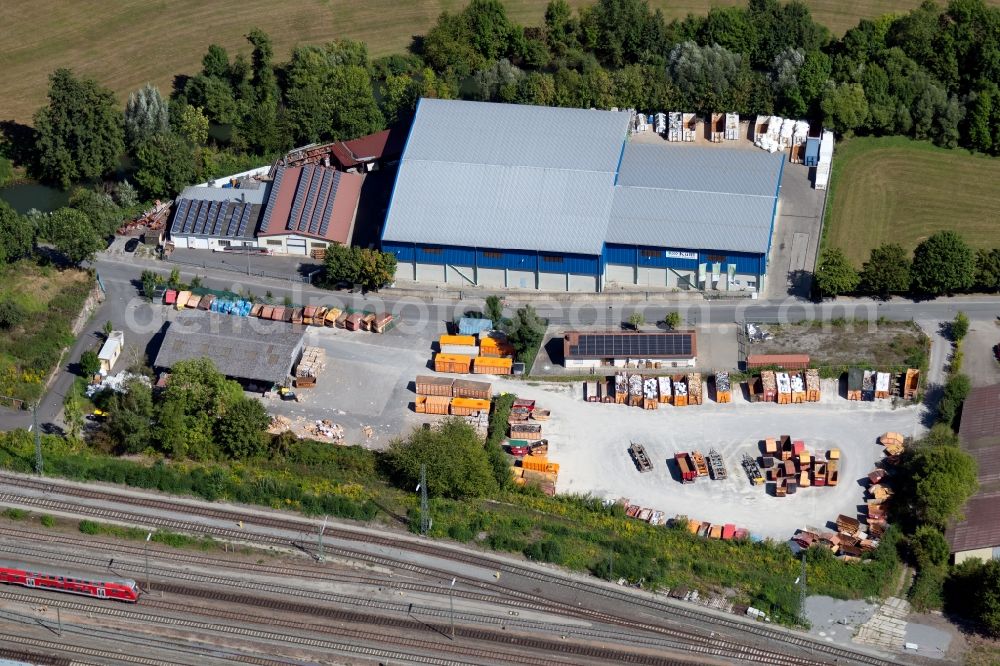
(310, 366)
(694, 388)
(812, 385)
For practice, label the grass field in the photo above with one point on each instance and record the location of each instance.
(125, 43)
(50, 300)
(896, 190)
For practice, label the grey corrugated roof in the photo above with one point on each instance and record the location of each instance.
(507, 176)
(690, 220)
(692, 197)
(251, 196)
(240, 347)
(499, 207)
(700, 169)
(517, 135)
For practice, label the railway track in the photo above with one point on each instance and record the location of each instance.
(464, 654)
(398, 610)
(305, 526)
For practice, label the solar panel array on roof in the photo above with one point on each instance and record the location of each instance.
(321, 192)
(212, 218)
(299, 201)
(276, 187)
(324, 222)
(641, 345)
(310, 200)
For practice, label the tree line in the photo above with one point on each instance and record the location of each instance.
(942, 264)
(932, 73)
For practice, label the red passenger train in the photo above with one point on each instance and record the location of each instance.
(88, 584)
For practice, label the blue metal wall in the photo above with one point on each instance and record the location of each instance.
(519, 260)
(626, 255)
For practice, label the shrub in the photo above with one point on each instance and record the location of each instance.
(959, 327)
(47, 521)
(15, 513)
(11, 314)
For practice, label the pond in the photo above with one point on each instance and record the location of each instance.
(25, 196)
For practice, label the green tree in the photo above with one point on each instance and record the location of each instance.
(12, 314)
(845, 107)
(165, 165)
(192, 124)
(242, 429)
(973, 591)
(457, 465)
(987, 269)
(215, 62)
(342, 264)
(376, 269)
(148, 279)
(146, 114)
(929, 547)
(526, 332)
(939, 480)
(72, 235)
(17, 235)
(104, 214)
(494, 310)
(672, 320)
(130, 419)
(80, 134)
(195, 398)
(887, 271)
(73, 416)
(959, 326)
(636, 319)
(90, 364)
(835, 275)
(956, 390)
(943, 264)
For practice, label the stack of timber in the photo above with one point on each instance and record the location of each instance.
(666, 396)
(700, 466)
(312, 364)
(723, 391)
(680, 391)
(650, 393)
(798, 388)
(893, 442)
(812, 385)
(769, 386)
(784, 388)
(694, 388)
(635, 390)
(621, 388)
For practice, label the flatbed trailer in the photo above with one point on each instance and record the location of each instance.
(639, 457)
(716, 466)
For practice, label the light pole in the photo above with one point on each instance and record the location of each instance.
(451, 603)
(321, 530)
(38, 439)
(146, 553)
(246, 248)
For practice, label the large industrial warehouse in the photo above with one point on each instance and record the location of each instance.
(512, 196)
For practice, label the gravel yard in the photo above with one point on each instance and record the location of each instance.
(590, 442)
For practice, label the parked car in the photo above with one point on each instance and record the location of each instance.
(131, 245)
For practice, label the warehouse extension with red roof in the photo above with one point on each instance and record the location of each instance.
(310, 207)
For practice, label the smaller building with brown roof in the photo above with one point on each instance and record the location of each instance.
(977, 535)
(310, 207)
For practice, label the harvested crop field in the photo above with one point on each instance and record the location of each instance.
(895, 190)
(129, 42)
(878, 344)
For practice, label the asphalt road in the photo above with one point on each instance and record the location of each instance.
(583, 311)
(124, 306)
